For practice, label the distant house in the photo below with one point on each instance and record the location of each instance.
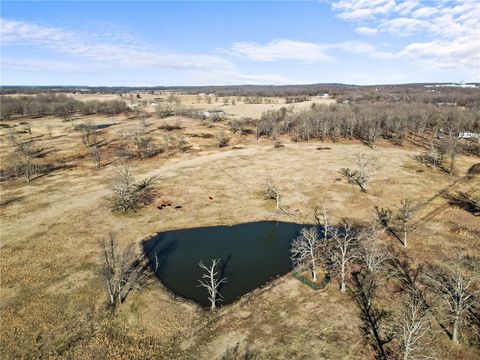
(324, 96)
(213, 114)
(469, 135)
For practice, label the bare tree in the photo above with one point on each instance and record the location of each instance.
(342, 250)
(95, 152)
(143, 141)
(433, 155)
(272, 192)
(123, 270)
(372, 253)
(89, 133)
(384, 216)
(414, 329)
(305, 250)
(405, 273)
(127, 194)
(451, 147)
(49, 130)
(405, 212)
(23, 155)
(211, 281)
(322, 218)
(362, 175)
(222, 139)
(458, 289)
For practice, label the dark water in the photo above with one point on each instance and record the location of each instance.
(252, 254)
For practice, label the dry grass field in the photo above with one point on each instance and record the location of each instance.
(53, 300)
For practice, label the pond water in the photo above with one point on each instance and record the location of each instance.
(252, 254)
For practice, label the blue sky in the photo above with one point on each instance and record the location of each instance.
(232, 42)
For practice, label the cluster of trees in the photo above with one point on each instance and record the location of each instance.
(58, 105)
(296, 99)
(396, 94)
(430, 296)
(368, 122)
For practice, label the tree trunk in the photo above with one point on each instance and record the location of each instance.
(342, 287)
(405, 237)
(455, 332)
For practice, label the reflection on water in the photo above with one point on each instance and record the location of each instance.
(252, 254)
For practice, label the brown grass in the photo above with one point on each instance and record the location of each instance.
(52, 298)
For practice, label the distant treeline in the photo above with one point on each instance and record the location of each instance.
(405, 92)
(59, 105)
(228, 90)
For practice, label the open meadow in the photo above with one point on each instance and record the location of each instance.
(54, 301)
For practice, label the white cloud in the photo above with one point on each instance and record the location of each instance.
(424, 12)
(281, 50)
(75, 44)
(300, 51)
(238, 77)
(35, 65)
(115, 49)
(450, 28)
(365, 30)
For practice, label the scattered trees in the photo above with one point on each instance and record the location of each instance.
(58, 105)
(305, 250)
(127, 194)
(211, 281)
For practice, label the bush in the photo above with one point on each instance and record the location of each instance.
(128, 195)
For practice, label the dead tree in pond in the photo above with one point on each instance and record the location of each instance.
(123, 270)
(211, 281)
(459, 290)
(414, 331)
(362, 174)
(305, 250)
(404, 214)
(342, 250)
(272, 192)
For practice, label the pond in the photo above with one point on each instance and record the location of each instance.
(251, 255)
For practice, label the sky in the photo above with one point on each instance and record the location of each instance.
(155, 43)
